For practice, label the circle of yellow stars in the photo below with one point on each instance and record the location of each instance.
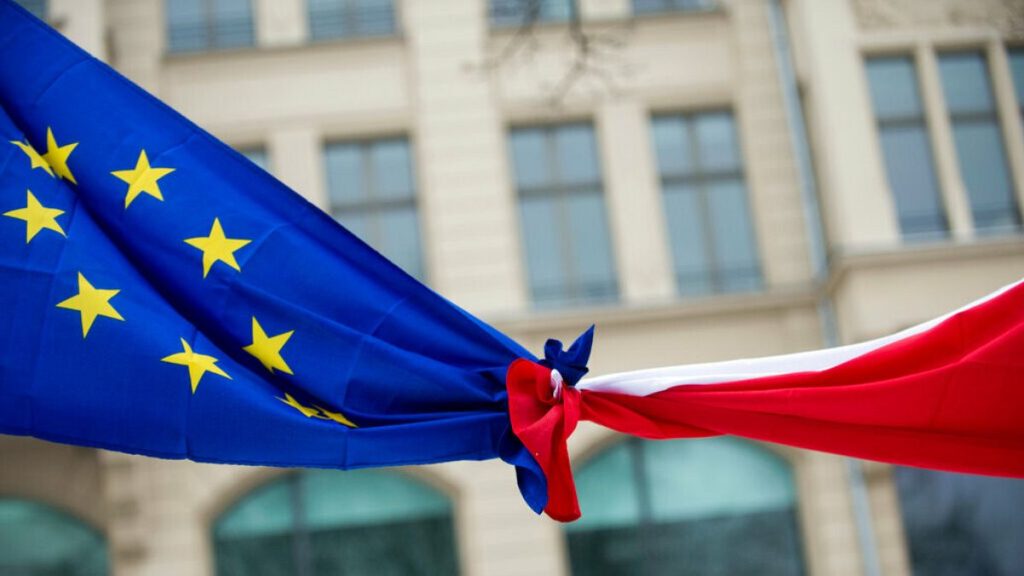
(93, 303)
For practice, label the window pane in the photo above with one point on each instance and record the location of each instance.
(672, 145)
(257, 156)
(375, 17)
(541, 234)
(517, 12)
(36, 7)
(1017, 68)
(911, 174)
(713, 242)
(689, 246)
(346, 181)
(36, 539)
(577, 158)
(712, 506)
(590, 245)
(979, 142)
(355, 522)
(979, 146)
(735, 244)
(564, 224)
(893, 84)
(961, 524)
(397, 238)
(530, 157)
(965, 82)
(196, 25)
(232, 23)
(392, 176)
(716, 139)
(186, 22)
(607, 491)
(373, 194)
(903, 136)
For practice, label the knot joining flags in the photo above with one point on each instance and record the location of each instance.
(571, 363)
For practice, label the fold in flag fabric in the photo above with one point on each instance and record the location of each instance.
(161, 295)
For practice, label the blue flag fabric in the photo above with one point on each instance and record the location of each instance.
(161, 295)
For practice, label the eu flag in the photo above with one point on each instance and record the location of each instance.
(161, 295)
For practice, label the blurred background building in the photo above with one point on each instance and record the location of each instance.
(703, 179)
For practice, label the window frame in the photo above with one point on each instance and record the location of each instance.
(208, 27)
(700, 178)
(373, 204)
(559, 192)
(350, 29)
(992, 115)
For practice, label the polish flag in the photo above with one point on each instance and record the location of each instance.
(947, 394)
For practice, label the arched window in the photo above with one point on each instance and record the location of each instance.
(961, 524)
(326, 522)
(714, 506)
(37, 540)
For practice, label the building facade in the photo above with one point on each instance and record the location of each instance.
(702, 179)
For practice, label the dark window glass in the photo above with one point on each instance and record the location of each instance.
(905, 146)
(200, 25)
(373, 194)
(350, 18)
(713, 243)
(36, 7)
(650, 6)
(326, 522)
(564, 223)
(36, 540)
(979, 141)
(961, 524)
(524, 12)
(717, 506)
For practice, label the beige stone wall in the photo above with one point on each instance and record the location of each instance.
(432, 83)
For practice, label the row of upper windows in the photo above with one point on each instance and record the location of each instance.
(563, 220)
(979, 139)
(201, 25)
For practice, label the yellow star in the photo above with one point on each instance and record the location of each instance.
(142, 179)
(33, 156)
(306, 410)
(57, 156)
(336, 416)
(198, 364)
(91, 302)
(267, 349)
(217, 248)
(37, 217)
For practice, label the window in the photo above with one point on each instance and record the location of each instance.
(713, 243)
(36, 7)
(979, 141)
(564, 225)
(324, 522)
(36, 540)
(519, 12)
(686, 507)
(961, 524)
(257, 156)
(1017, 69)
(350, 18)
(908, 154)
(200, 25)
(652, 6)
(372, 193)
